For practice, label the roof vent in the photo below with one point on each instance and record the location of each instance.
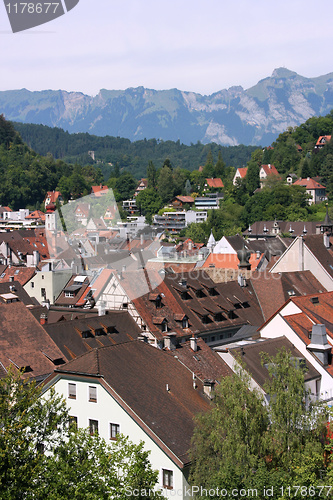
(315, 300)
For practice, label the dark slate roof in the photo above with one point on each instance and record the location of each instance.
(251, 357)
(143, 388)
(78, 336)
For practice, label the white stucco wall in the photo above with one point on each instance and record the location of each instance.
(107, 410)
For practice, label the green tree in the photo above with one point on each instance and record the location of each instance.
(126, 185)
(43, 457)
(149, 203)
(165, 184)
(151, 175)
(244, 443)
(220, 167)
(229, 441)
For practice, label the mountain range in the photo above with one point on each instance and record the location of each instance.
(229, 117)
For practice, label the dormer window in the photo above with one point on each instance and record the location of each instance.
(164, 326)
(185, 322)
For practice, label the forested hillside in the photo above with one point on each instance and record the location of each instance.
(26, 176)
(130, 156)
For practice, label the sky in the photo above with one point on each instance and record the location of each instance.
(191, 45)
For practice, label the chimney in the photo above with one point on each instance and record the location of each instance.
(141, 239)
(326, 240)
(101, 308)
(193, 344)
(209, 388)
(11, 279)
(319, 345)
(170, 341)
(43, 319)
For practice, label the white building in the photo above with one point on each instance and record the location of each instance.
(141, 392)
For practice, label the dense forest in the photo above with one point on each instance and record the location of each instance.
(132, 157)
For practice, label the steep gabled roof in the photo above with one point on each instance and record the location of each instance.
(157, 391)
(269, 169)
(308, 183)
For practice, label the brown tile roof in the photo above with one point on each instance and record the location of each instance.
(75, 337)
(15, 288)
(23, 342)
(273, 290)
(77, 289)
(316, 246)
(167, 415)
(21, 274)
(251, 357)
(195, 299)
(204, 363)
(185, 199)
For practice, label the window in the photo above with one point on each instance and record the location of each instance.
(43, 292)
(93, 427)
(167, 478)
(72, 391)
(69, 294)
(32, 284)
(114, 431)
(92, 394)
(72, 422)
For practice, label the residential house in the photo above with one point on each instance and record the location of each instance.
(271, 228)
(308, 253)
(208, 202)
(52, 197)
(103, 394)
(174, 222)
(99, 191)
(240, 174)
(179, 202)
(46, 285)
(213, 184)
(322, 141)
(143, 184)
(250, 357)
(316, 191)
(306, 321)
(81, 213)
(267, 172)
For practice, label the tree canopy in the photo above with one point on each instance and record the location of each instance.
(245, 443)
(44, 456)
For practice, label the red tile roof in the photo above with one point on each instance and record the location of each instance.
(323, 139)
(309, 183)
(215, 183)
(98, 190)
(269, 169)
(229, 261)
(19, 273)
(242, 172)
(37, 214)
